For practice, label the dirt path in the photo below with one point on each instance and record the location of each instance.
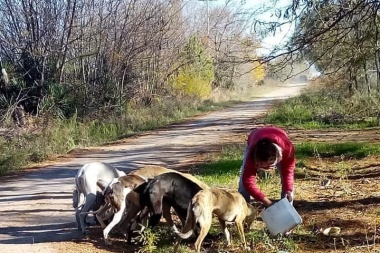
(36, 207)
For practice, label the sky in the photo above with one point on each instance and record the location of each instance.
(272, 40)
(282, 33)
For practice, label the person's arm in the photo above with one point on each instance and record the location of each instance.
(250, 184)
(288, 165)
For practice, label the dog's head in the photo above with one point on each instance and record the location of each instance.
(114, 194)
(251, 215)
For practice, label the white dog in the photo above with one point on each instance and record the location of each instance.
(84, 196)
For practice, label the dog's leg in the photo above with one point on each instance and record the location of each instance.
(90, 199)
(132, 212)
(99, 214)
(141, 220)
(205, 227)
(240, 228)
(77, 205)
(168, 216)
(156, 207)
(225, 231)
(116, 219)
(102, 210)
(77, 218)
(176, 245)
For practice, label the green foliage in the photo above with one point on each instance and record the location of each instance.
(195, 77)
(12, 157)
(58, 101)
(189, 83)
(290, 114)
(149, 239)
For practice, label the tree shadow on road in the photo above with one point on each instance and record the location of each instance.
(39, 233)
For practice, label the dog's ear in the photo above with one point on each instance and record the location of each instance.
(117, 195)
(102, 184)
(100, 199)
(252, 211)
(107, 191)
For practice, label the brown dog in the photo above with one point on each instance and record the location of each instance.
(228, 206)
(115, 194)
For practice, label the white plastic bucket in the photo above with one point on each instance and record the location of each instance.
(280, 217)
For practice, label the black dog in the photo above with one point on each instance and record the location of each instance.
(156, 196)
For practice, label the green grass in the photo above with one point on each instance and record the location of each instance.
(226, 168)
(326, 108)
(347, 149)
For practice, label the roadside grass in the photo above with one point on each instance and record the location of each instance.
(346, 149)
(56, 136)
(327, 108)
(59, 136)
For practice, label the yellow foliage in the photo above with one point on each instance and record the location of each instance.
(189, 83)
(258, 71)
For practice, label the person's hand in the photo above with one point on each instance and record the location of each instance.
(288, 195)
(267, 202)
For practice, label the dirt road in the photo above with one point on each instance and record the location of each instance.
(36, 207)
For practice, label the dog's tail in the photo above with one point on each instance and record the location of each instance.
(78, 195)
(75, 198)
(190, 223)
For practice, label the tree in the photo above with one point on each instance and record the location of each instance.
(340, 37)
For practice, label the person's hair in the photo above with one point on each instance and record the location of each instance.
(263, 150)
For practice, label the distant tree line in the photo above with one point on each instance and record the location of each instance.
(67, 57)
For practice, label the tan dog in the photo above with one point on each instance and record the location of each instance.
(228, 206)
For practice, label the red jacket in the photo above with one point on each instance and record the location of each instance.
(279, 137)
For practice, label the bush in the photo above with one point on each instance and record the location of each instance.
(196, 76)
(190, 83)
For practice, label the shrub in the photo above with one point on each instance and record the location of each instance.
(195, 77)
